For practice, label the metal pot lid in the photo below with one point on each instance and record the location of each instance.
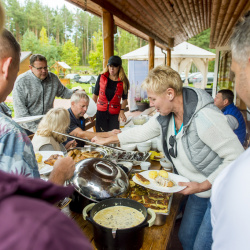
(99, 179)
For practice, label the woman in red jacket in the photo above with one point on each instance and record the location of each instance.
(111, 86)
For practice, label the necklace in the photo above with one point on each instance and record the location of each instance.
(176, 130)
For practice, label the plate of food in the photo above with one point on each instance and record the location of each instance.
(46, 160)
(160, 180)
(79, 154)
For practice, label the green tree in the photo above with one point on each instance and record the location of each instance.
(30, 42)
(14, 18)
(43, 37)
(96, 55)
(70, 53)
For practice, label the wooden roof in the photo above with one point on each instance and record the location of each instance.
(171, 22)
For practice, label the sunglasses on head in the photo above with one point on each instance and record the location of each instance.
(172, 142)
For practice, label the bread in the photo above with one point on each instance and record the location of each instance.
(163, 174)
(52, 159)
(152, 174)
(142, 179)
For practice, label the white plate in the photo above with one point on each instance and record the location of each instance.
(92, 108)
(28, 119)
(153, 185)
(45, 167)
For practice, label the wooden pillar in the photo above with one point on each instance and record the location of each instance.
(151, 53)
(108, 36)
(169, 57)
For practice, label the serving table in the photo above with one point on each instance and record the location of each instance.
(155, 237)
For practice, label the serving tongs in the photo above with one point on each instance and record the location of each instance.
(87, 141)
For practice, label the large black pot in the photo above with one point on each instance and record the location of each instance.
(95, 180)
(122, 239)
(78, 202)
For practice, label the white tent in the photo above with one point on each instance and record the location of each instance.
(182, 57)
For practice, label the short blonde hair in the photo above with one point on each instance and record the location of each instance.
(56, 119)
(78, 95)
(161, 78)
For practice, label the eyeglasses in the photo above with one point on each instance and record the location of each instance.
(45, 68)
(172, 142)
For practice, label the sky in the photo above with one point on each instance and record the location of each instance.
(55, 3)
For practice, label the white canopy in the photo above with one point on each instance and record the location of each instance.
(182, 57)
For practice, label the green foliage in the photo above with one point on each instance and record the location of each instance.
(44, 30)
(145, 100)
(11, 106)
(43, 37)
(70, 53)
(30, 42)
(96, 55)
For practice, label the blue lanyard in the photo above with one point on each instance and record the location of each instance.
(175, 127)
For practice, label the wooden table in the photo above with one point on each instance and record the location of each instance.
(155, 237)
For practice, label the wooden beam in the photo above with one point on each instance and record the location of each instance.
(242, 8)
(120, 14)
(168, 57)
(151, 53)
(214, 17)
(108, 36)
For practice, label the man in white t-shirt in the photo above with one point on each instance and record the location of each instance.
(231, 189)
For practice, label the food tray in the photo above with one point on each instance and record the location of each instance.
(90, 148)
(132, 156)
(160, 216)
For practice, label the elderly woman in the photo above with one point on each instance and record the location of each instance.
(196, 138)
(56, 119)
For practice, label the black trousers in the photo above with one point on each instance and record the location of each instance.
(106, 122)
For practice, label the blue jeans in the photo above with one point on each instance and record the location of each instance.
(196, 229)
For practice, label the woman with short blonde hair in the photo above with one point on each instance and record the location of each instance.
(57, 119)
(161, 78)
(195, 137)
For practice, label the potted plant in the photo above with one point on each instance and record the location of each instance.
(142, 104)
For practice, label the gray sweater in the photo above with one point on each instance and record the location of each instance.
(32, 96)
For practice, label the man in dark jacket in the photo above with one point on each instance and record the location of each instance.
(224, 101)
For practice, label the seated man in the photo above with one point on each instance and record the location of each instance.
(224, 101)
(79, 106)
(35, 91)
(16, 150)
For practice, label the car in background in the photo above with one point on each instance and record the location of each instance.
(183, 76)
(191, 76)
(86, 79)
(72, 76)
(210, 78)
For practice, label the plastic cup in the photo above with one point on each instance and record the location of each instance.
(145, 165)
(122, 124)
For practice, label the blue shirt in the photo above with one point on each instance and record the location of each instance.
(16, 150)
(75, 123)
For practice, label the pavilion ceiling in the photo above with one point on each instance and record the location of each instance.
(171, 22)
